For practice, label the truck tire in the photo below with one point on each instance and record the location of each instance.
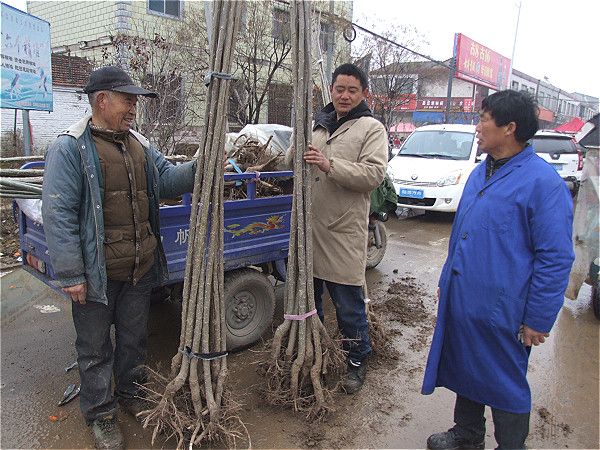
(374, 254)
(249, 306)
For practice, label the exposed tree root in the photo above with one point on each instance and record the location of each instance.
(380, 336)
(317, 379)
(176, 418)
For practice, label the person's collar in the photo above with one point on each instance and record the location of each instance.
(107, 134)
(509, 151)
(327, 117)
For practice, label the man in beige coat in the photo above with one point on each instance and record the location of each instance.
(349, 149)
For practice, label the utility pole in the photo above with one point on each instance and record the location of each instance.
(512, 58)
(26, 133)
(449, 94)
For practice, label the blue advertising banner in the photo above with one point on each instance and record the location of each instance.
(26, 70)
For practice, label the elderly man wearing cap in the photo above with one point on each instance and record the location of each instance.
(102, 184)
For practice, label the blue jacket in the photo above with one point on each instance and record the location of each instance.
(508, 264)
(72, 207)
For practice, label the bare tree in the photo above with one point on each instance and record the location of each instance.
(393, 76)
(172, 62)
(260, 56)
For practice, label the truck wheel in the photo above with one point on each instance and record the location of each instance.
(374, 254)
(596, 299)
(249, 306)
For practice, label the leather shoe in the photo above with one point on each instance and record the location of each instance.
(450, 440)
(107, 434)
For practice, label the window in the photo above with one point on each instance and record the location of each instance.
(280, 106)
(405, 85)
(326, 37)
(553, 144)
(439, 145)
(281, 25)
(167, 7)
(515, 85)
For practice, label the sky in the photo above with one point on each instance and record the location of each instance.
(555, 39)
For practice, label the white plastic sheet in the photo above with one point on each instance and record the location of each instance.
(585, 224)
(261, 132)
(32, 208)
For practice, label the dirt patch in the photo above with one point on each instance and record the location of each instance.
(548, 427)
(402, 309)
(9, 236)
(404, 303)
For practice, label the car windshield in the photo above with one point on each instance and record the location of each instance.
(553, 145)
(438, 144)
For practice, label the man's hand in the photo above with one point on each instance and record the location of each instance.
(532, 337)
(77, 292)
(314, 156)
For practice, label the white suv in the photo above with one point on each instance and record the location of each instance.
(561, 152)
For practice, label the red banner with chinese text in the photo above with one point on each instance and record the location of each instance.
(480, 65)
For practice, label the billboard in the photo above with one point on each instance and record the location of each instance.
(479, 64)
(26, 71)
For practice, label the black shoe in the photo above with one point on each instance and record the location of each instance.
(134, 406)
(355, 377)
(449, 440)
(107, 434)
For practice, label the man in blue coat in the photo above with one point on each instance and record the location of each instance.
(503, 282)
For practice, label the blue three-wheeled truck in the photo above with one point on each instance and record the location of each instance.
(256, 246)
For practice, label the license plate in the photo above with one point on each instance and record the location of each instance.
(557, 167)
(411, 193)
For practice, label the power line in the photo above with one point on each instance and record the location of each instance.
(421, 55)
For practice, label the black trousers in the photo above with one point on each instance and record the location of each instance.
(510, 429)
(128, 308)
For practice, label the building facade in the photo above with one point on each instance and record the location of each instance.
(425, 100)
(93, 29)
(556, 105)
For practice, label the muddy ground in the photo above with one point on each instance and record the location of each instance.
(9, 236)
(38, 343)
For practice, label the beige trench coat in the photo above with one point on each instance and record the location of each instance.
(341, 199)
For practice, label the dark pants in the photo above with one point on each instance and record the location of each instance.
(128, 308)
(351, 316)
(510, 429)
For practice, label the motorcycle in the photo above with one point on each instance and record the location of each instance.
(383, 201)
(377, 241)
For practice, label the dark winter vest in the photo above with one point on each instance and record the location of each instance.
(129, 244)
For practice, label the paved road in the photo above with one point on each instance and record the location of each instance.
(38, 343)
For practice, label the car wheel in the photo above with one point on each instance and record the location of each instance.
(249, 306)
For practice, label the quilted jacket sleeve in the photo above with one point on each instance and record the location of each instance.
(61, 202)
(173, 180)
